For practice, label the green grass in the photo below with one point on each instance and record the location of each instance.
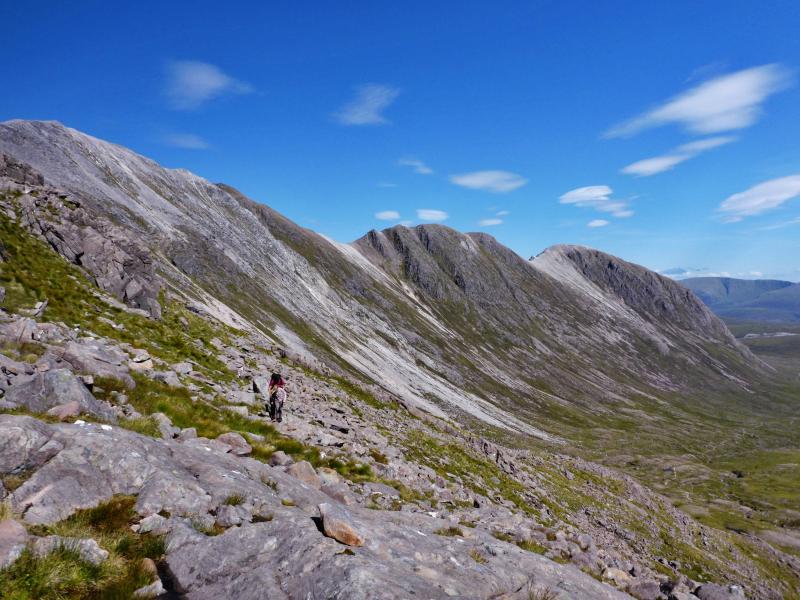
(62, 574)
(451, 531)
(234, 500)
(33, 272)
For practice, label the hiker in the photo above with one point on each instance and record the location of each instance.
(277, 396)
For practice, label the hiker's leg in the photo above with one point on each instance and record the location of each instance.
(279, 411)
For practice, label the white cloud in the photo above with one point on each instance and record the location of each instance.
(502, 213)
(597, 223)
(188, 141)
(599, 198)
(760, 198)
(781, 225)
(368, 105)
(490, 222)
(497, 182)
(190, 84)
(416, 164)
(431, 214)
(659, 164)
(724, 103)
(387, 215)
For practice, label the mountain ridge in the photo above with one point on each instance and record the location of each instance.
(435, 312)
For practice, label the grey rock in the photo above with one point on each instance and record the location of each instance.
(236, 441)
(189, 433)
(64, 412)
(97, 358)
(339, 492)
(182, 368)
(646, 590)
(230, 516)
(165, 427)
(261, 385)
(43, 391)
(713, 591)
(87, 549)
(168, 377)
(13, 539)
(304, 472)
(280, 459)
(25, 443)
(152, 590)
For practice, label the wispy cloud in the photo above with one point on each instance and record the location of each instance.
(490, 222)
(431, 214)
(599, 198)
(760, 198)
(502, 213)
(368, 105)
(417, 165)
(598, 223)
(659, 164)
(188, 141)
(190, 84)
(387, 215)
(386, 184)
(789, 223)
(497, 182)
(724, 103)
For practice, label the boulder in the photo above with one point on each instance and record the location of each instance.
(305, 473)
(261, 385)
(339, 492)
(236, 441)
(65, 412)
(182, 368)
(167, 377)
(646, 590)
(617, 576)
(154, 590)
(43, 391)
(337, 524)
(165, 427)
(242, 397)
(713, 591)
(87, 549)
(230, 516)
(280, 459)
(95, 357)
(13, 539)
(189, 433)
(25, 443)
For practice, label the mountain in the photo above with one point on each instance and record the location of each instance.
(453, 323)
(449, 397)
(746, 299)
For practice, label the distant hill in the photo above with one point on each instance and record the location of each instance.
(754, 300)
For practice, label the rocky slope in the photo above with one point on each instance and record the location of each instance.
(153, 301)
(428, 311)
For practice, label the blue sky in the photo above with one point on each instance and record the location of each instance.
(663, 132)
